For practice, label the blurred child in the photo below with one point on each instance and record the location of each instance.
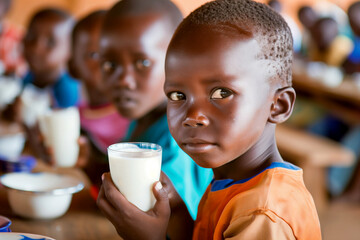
(47, 84)
(133, 45)
(327, 45)
(228, 83)
(11, 59)
(352, 62)
(100, 121)
(47, 51)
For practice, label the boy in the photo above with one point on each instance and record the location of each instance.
(228, 82)
(100, 121)
(47, 51)
(133, 44)
(47, 84)
(101, 124)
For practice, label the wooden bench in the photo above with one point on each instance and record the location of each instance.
(314, 154)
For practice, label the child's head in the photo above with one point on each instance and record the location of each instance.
(4, 8)
(354, 17)
(84, 62)
(47, 42)
(228, 81)
(323, 32)
(276, 5)
(307, 16)
(133, 45)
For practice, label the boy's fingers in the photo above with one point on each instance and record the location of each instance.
(112, 194)
(162, 205)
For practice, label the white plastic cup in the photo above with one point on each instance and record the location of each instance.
(134, 168)
(61, 131)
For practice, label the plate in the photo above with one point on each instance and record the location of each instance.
(23, 236)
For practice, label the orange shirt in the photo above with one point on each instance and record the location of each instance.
(274, 204)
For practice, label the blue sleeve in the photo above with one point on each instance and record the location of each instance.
(67, 92)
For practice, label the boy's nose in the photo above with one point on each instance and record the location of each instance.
(195, 118)
(127, 79)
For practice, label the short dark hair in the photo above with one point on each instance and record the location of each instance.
(52, 12)
(256, 20)
(87, 22)
(354, 7)
(137, 7)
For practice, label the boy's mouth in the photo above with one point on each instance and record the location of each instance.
(197, 145)
(125, 102)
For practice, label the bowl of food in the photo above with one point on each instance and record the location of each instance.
(40, 195)
(23, 236)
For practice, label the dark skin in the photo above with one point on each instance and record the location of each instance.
(46, 49)
(132, 53)
(354, 21)
(323, 32)
(84, 63)
(222, 111)
(132, 58)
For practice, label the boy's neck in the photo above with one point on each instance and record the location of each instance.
(260, 156)
(96, 98)
(149, 119)
(46, 79)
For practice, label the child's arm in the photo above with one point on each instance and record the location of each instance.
(180, 224)
(129, 221)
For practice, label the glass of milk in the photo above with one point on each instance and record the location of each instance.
(134, 168)
(61, 131)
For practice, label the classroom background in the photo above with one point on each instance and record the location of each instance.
(316, 154)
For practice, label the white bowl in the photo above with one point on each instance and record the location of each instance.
(40, 195)
(11, 145)
(22, 236)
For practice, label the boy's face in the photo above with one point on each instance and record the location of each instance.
(85, 56)
(219, 95)
(132, 54)
(46, 45)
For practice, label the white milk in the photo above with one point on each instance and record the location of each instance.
(61, 130)
(134, 174)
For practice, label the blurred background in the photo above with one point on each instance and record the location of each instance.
(323, 135)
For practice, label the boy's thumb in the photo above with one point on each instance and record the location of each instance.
(162, 205)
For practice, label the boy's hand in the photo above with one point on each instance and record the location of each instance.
(129, 221)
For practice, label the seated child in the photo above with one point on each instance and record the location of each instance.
(352, 63)
(133, 44)
(100, 120)
(228, 83)
(47, 51)
(327, 45)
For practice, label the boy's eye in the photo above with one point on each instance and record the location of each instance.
(176, 96)
(108, 66)
(51, 43)
(221, 93)
(94, 55)
(142, 64)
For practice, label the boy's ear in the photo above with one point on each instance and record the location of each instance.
(282, 106)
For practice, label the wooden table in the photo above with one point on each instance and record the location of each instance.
(83, 220)
(342, 100)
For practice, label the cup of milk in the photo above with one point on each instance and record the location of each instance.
(134, 168)
(61, 131)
